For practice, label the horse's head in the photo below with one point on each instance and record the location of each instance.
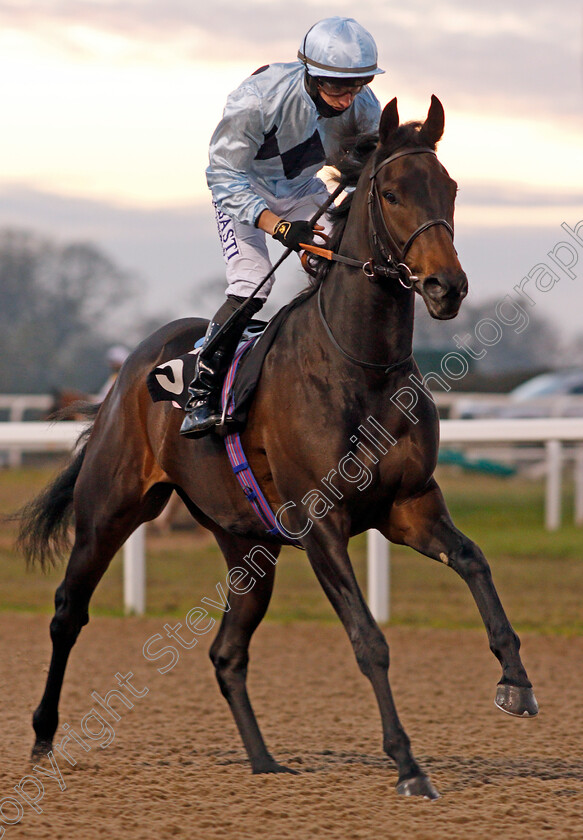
(411, 205)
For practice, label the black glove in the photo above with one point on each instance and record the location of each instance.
(291, 234)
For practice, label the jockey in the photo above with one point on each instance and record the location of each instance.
(278, 129)
(115, 357)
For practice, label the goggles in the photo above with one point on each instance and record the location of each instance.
(338, 88)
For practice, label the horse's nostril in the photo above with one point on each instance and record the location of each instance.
(433, 287)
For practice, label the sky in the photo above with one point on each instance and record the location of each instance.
(107, 107)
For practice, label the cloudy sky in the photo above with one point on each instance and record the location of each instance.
(107, 106)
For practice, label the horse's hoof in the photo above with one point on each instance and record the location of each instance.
(40, 750)
(273, 767)
(516, 700)
(417, 786)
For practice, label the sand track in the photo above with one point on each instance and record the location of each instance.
(176, 766)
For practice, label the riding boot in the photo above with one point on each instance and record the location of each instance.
(203, 406)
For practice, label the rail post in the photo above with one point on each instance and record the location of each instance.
(579, 486)
(378, 575)
(134, 572)
(553, 485)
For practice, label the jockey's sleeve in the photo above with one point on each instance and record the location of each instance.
(233, 147)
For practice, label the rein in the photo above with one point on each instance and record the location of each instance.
(371, 365)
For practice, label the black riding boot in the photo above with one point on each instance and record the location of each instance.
(204, 404)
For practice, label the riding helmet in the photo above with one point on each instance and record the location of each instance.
(339, 47)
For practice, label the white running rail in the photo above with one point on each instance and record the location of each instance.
(553, 432)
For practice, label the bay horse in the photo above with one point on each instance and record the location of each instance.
(340, 356)
(69, 404)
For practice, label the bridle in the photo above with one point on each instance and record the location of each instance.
(383, 263)
(391, 266)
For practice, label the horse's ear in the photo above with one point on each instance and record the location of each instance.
(389, 121)
(432, 129)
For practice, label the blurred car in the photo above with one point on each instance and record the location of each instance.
(555, 394)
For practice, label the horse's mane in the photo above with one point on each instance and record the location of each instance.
(357, 150)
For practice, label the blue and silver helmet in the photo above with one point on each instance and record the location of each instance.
(339, 48)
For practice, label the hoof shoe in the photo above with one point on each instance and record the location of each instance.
(516, 700)
(417, 786)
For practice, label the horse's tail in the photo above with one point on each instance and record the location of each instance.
(43, 536)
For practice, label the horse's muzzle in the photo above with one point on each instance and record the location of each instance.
(443, 293)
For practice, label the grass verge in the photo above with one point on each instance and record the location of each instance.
(538, 574)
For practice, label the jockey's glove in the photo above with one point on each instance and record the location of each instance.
(291, 234)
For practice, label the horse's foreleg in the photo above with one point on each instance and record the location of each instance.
(329, 558)
(424, 523)
(229, 651)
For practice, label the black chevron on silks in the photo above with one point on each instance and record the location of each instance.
(294, 161)
(304, 155)
(269, 148)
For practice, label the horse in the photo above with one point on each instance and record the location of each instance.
(69, 404)
(337, 363)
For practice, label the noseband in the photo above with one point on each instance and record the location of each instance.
(393, 265)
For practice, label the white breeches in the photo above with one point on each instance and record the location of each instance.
(244, 247)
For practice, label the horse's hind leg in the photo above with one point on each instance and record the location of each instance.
(229, 651)
(424, 523)
(327, 553)
(106, 514)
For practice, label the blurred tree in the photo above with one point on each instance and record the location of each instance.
(208, 295)
(60, 309)
(535, 347)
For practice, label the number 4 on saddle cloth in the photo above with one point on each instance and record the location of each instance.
(170, 380)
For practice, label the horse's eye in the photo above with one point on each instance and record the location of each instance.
(390, 197)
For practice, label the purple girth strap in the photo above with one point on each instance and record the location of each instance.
(238, 461)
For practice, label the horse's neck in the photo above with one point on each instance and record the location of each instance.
(372, 321)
